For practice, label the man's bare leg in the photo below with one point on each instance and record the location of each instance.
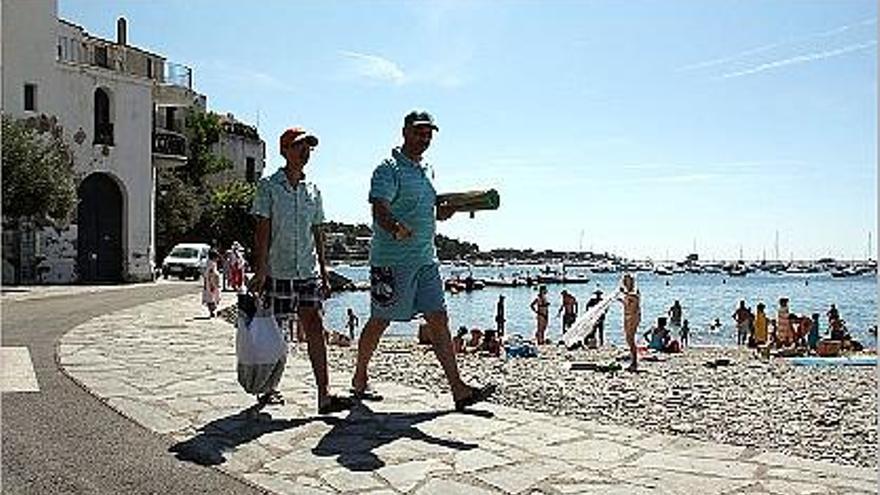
(311, 324)
(367, 343)
(438, 322)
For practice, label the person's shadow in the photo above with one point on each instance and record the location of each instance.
(355, 439)
(225, 434)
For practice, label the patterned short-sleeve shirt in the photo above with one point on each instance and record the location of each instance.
(293, 211)
(407, 188)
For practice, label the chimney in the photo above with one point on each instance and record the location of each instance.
(121, 31)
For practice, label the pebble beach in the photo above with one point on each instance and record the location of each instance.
(822, 413)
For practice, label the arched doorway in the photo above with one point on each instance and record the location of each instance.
(99, 235)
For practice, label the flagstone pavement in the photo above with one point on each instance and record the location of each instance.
(174, 372)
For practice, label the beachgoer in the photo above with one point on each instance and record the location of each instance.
(597, 334)
(540, 306)
(404, 270)
(741, 315)
(458, 340)
(491, 345)
(715, 325)
(675, 314)
(499, 316)
(658, 336)
(352, 323)
(211, 283)
(813, 336)
(784, 331)
(568, 309)
(288, 239)
(685, 333)
(632, 316)
(761, 325)
(833, 314)
(476, 339)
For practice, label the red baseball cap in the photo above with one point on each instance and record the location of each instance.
(295, 134)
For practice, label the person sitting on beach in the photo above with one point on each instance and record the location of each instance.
(491, 345)
(632, 315)
(804, 325)
(715, 325)
(838, 330)
(685, 333)
(332, 337)
(833, 314)
(675, 314)
(570, 308)
(475, 340)
(540, 306)
(813, 336)
(760, 324)
(458, 340)
(741, 316)
(658, 336)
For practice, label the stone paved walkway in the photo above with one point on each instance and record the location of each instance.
(173, 371)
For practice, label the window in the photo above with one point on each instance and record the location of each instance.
(30, 97)
(101, 59)
(149, 68)
(103, 126)
(169, 118)
(251, 170)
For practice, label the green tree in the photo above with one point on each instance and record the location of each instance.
(203, 130)
(177, 210)
(38, 179)
(227, 217)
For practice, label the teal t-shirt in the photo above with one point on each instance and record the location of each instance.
(407, 188)
(293, 211)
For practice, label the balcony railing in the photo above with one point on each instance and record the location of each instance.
(104, 134)
(169, 143)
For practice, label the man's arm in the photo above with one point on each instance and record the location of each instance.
(261, 251)
(383, 217)
(318, 232)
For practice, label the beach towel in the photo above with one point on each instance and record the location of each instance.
(586, 321)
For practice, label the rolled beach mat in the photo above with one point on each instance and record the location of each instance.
(471, 200)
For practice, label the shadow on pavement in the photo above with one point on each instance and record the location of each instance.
(363, 430)
(225, 434)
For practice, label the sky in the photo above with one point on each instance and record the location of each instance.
(643, 128)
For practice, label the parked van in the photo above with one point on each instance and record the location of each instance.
(186, 260)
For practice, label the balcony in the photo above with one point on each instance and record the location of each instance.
(104, 134)
(169, 149)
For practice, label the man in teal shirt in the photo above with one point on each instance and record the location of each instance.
(405, 275)
(289, 249)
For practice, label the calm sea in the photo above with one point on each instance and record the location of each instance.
(703, 296)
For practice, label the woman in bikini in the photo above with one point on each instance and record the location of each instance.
(541, 307)
(632, 316)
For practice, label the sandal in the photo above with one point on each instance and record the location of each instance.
(272, 398)
(367, 394)
(335, 404)
(477, 395)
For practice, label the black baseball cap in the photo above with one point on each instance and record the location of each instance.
(419, 117)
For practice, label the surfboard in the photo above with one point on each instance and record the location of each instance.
(585, 322)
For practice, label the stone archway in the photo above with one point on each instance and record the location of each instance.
(99, 234)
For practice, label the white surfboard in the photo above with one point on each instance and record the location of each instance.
(585, 322)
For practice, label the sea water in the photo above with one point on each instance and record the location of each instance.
(703, 297)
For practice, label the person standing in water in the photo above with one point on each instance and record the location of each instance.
(499, 316)
(540, 306)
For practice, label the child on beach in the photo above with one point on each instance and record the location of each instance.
(632, 315)
(211, 283)
(685, 333)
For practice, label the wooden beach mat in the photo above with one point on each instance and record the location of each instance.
(471, 201)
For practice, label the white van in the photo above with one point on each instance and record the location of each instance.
(186, 260)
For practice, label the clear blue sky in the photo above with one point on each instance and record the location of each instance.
(648, 126)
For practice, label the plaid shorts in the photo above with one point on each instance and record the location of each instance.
(288, 295)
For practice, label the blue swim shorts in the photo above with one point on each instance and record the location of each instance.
(399, 293)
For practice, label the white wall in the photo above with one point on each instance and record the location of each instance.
(129, 161)
(28, 49)
(237, 149)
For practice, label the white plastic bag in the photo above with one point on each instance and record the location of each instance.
(260, 350)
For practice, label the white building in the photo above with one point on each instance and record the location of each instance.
(101, 93)
(241, 144)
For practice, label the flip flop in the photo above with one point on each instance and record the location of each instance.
(477, 395)
(367, 394)
(335, 404)
(272, 398)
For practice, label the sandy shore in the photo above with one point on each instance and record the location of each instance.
(827, 413)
